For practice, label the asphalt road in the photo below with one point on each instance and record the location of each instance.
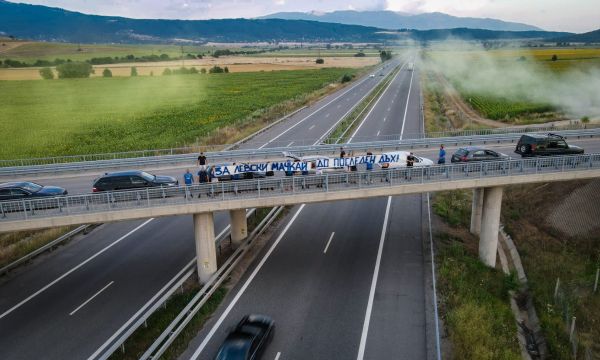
(346, 279)
(66, 304)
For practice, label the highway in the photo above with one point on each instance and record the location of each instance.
(343, 280)
(68, 303)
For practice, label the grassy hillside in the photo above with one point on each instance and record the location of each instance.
(77, 116)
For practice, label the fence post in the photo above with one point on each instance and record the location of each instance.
(596, 282)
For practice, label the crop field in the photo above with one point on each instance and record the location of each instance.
(79, 116)
(497, 108)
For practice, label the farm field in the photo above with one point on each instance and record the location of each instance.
(524, 86)
(79, 116)
(234, 63)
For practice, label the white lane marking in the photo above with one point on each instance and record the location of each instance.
(378, 133)
(237, 297)
(365, 329)
(406, 108)
(328, 242)
(290, 144)
(140, 311)
(277, 356)
(327, 115)
(312, 127)
(311, 114)
(375, 105)
(90, 299)
(73, 269)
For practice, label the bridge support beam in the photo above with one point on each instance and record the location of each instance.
(490, 225)
(476, 210)
(239, 226)
(204, 234)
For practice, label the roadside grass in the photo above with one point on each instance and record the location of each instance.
(454, 207)
(548, 255)
(15, 245)
(475, 304)
(83, 116)
(506, 110)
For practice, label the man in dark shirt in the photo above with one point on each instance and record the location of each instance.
(342, 152)
(410, 161)
(201, 160)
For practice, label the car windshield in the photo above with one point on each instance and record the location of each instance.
(148, 177)
(234, 349)
(32, 187)
(462, 152)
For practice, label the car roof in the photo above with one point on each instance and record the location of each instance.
(544, 136)
(14, 184)
(123, 173)
(472, 148)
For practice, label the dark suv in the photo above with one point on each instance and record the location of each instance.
(127, 180)
(545, 144)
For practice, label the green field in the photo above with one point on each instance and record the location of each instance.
(498, 108)
(81, 116)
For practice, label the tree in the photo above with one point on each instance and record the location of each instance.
(134, 71)
(346, 78)
(320, 61)
(585, 119)
(216, 70)
(203, 71)
(554, 57)
(385, 55)
(226, 69)
(193, 70)
(167, 71)
(360, 54)
(46, 73)
(71, 70)
(107, 73)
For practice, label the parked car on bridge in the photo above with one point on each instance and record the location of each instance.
(248, 340)
(134, 179)
(26, 190)
(545, 145)
(475, 154)
(419, 161)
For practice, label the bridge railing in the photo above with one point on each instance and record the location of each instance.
(286, 185)
(211, 148)
(249, 155)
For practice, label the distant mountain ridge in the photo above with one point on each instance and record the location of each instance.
(588, 37)
(43, 23)
(397, 20)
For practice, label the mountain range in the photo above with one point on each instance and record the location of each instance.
(42, 23)
(397, 20)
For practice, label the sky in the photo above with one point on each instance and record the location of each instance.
(558, 15)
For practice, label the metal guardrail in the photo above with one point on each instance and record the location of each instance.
(213, 150)
(95, 203)
(170, 333)
(389, 143)
(118, 339)
(42, 249)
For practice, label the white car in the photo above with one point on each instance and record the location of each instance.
(372, 75)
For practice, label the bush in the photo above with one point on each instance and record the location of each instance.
(167, 71)
(216, 70)
(203, 71)
(385, 55)
(47, 73)
(72, 70)
(106, 73)
(226, 69)
(346, 78)
(193, 70)
(360, 54)
(320, 61)
(554, 57)
(585, 119)
(134, 71)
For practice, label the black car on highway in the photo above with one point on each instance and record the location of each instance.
(475, 154)
(248, 340)
(545, 145)
(134, 179)
(27, 190)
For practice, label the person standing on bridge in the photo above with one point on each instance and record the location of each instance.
(202, 161)
(442, 155)
(342, 153)
(410, 162)
(188, 179)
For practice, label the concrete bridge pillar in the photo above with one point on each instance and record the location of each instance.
(204, 234)
(239, 226)
(490, 225)
(476, 210)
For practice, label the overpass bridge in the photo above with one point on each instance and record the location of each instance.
(203, 200)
